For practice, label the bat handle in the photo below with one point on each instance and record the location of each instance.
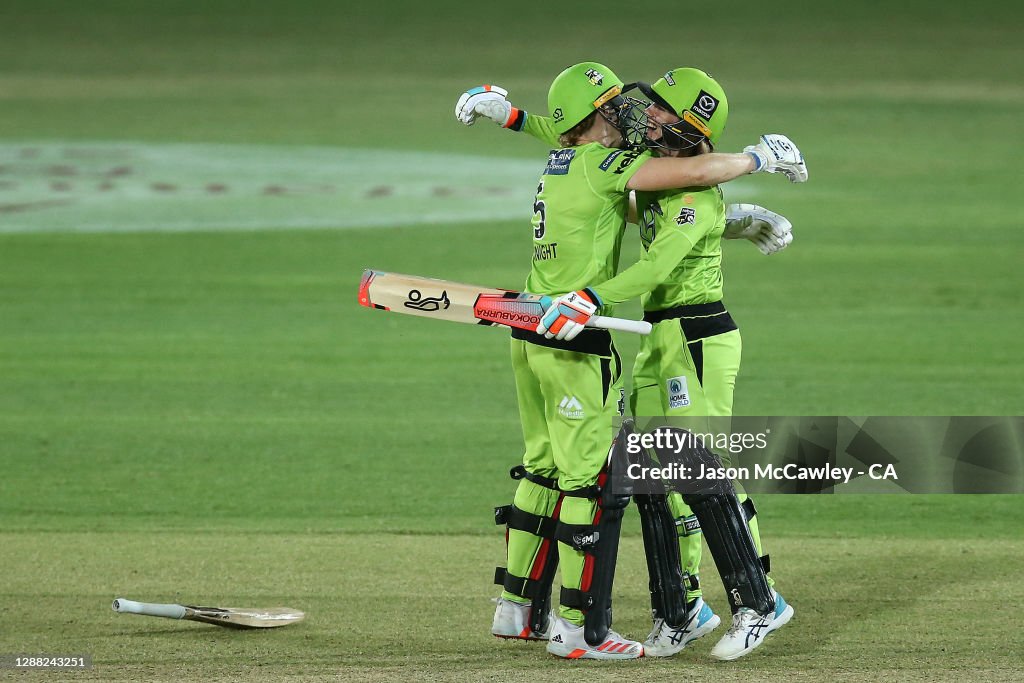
(620, 324)
(149, 608)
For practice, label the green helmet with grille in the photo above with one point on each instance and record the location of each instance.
(579, 91)
(697, 99)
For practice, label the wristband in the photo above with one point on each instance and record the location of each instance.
(516, 119)
(594, 298)
(757, 161)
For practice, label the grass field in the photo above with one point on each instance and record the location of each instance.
(194, 407)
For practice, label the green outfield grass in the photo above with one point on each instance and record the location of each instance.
(210, 416)
(868, 608)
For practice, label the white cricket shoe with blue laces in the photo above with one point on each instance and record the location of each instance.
(749, 630)
(665, 641)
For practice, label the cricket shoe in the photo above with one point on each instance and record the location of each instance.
(666, 640)
(512, 620)
(567, 641)
(749, 630)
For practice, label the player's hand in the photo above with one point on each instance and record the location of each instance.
(488, 101)
(567, 315)
(778, 154)
(766, 229)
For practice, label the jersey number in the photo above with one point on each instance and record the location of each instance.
(538, 208)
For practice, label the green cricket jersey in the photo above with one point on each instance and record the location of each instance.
(580, 216)
(682, 266)
(681, 232)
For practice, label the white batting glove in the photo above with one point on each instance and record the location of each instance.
(488, 101)
(766, 229)
(778, 154)
(567, 315)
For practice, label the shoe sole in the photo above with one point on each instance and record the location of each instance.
(708, 626)
(580, 653)
(777, 623)
(507, 637)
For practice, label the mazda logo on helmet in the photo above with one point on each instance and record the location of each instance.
(705, 104)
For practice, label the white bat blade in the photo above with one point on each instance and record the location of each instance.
(232, 617)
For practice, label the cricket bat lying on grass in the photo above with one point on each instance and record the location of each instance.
(461, 303)
(232, 617)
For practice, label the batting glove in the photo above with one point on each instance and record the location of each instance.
(567, 315)
(488, 101)
(766, 229)
(778, 154)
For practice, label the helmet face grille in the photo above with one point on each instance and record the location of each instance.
(633, 122)
(628, 116)
(678, 136)
(682, 135)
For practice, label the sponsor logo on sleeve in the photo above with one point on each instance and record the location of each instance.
(678, 393)
(686, 216)
(558, 161)
(705, 104)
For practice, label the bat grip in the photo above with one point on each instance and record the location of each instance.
(620, 324)
(149, 609)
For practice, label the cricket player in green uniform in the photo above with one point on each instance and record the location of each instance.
(688, 364)
(569, 389)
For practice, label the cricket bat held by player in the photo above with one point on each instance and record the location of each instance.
(457, 302)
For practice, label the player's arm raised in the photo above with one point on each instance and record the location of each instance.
(773, 154)
(491, 102)
(666, 173)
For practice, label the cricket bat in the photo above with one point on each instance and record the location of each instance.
(232, 617)
(456, 302)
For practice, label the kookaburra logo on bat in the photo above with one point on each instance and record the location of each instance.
(427, 304)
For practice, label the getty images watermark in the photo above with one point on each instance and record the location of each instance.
(677, 441)
(826, 454)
